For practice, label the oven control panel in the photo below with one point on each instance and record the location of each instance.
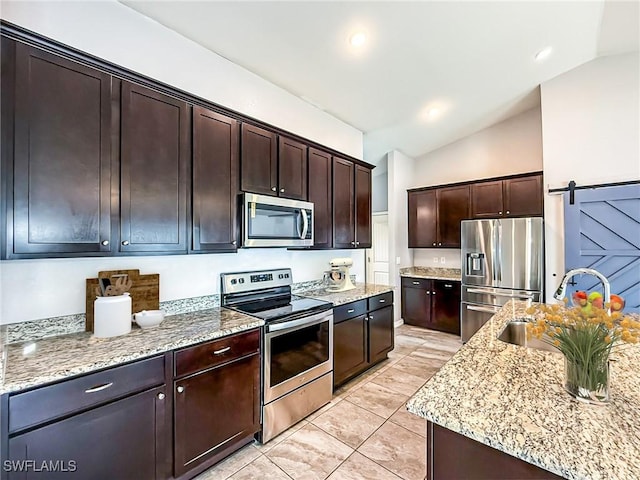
(249, 281)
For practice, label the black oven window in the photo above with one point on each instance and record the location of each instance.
(295, 352)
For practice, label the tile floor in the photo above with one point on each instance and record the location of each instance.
(364, 433)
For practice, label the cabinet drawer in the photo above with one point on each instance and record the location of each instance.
(349, 310)
(380, 301)
(200, 357)
(42, 404)
(413, 282)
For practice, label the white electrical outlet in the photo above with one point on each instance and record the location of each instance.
(435, 259)
(443, 260)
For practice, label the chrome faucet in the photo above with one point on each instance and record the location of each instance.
(562, 289)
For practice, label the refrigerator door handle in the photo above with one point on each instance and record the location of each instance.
(497, 294)
(499, 255)
(482, 309)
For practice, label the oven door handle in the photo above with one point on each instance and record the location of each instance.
(295, 324)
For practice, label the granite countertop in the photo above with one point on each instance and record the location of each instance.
(362, 290)
(31, 363)
(511, 398)
(432, 272)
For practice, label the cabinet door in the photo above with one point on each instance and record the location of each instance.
(124, 439)
(380, 333)
(363, 207)
(343, 204)
(215, 181)
(258, 161)
(445, 307)
(523, 196)
(486, 199)
(416, 304)
(319, 189)
(349, 348)
(214, 407)
(154, 171)
(292, 169)
(422, 219)
(453, 207)
(62, 157)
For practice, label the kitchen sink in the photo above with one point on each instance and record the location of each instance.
(515, 332)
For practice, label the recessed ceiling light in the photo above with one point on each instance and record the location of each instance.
(542, 54)
(433, 112)
(357, 39)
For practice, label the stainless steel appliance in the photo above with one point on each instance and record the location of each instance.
(501, 259)
(276, 222)
(297, 348)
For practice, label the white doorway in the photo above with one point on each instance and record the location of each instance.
(378, 255)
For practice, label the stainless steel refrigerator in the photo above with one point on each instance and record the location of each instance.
(502, 259)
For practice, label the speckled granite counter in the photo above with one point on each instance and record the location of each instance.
(512, 399)
(38, 362)
(430, 272)
(362, 290)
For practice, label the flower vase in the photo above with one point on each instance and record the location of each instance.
(587, 380)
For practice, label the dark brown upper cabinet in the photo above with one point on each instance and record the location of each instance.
(155, 158)
(344, 234)
(320, 194)
(292, 169)
(259, 160)
(509, 197)
(363, 207)
(57, 154)
(435, 216)
(351, 205)
(215, 181)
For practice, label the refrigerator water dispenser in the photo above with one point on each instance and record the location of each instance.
(475, 264)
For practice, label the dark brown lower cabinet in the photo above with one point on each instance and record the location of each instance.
(216, 410)
(362, 336)
(431, 304)
(451, 456)
(117, 440)
(349, 348)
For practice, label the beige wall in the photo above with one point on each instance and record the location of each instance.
(591, 134)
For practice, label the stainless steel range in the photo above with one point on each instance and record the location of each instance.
(297, 364)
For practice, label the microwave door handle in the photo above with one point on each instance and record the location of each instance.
(298, 224)
(305, 221)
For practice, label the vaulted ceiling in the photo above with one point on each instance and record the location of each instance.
(427, 74)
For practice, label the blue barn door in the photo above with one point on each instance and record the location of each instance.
(602, 231)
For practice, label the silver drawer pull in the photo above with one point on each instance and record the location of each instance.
(382, 301)
(416, 283)
(351, 310)
(221, 351)
(448, 285)
(98, 388)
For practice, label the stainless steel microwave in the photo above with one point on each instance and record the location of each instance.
(276, 222)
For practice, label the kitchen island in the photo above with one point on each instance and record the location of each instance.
(511, 398)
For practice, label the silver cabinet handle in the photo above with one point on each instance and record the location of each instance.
(273, 189)
(105, 242)
(499, 213)
(447, 285)
(416, 283)
(234, 242)
(125, 242)
(357, 243)
(434, 244)
(439, 243)
(428, 292)
(353, 243)
(98, 388)
(351, 310)
(161, 396)
(282, 190)
(180, 389)
(382, 301)
(433, 293)
(221, 351)
(508, 212)
(370, 317)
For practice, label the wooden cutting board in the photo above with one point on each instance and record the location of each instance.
(145, 291)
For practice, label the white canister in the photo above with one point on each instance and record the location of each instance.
(112, 316)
